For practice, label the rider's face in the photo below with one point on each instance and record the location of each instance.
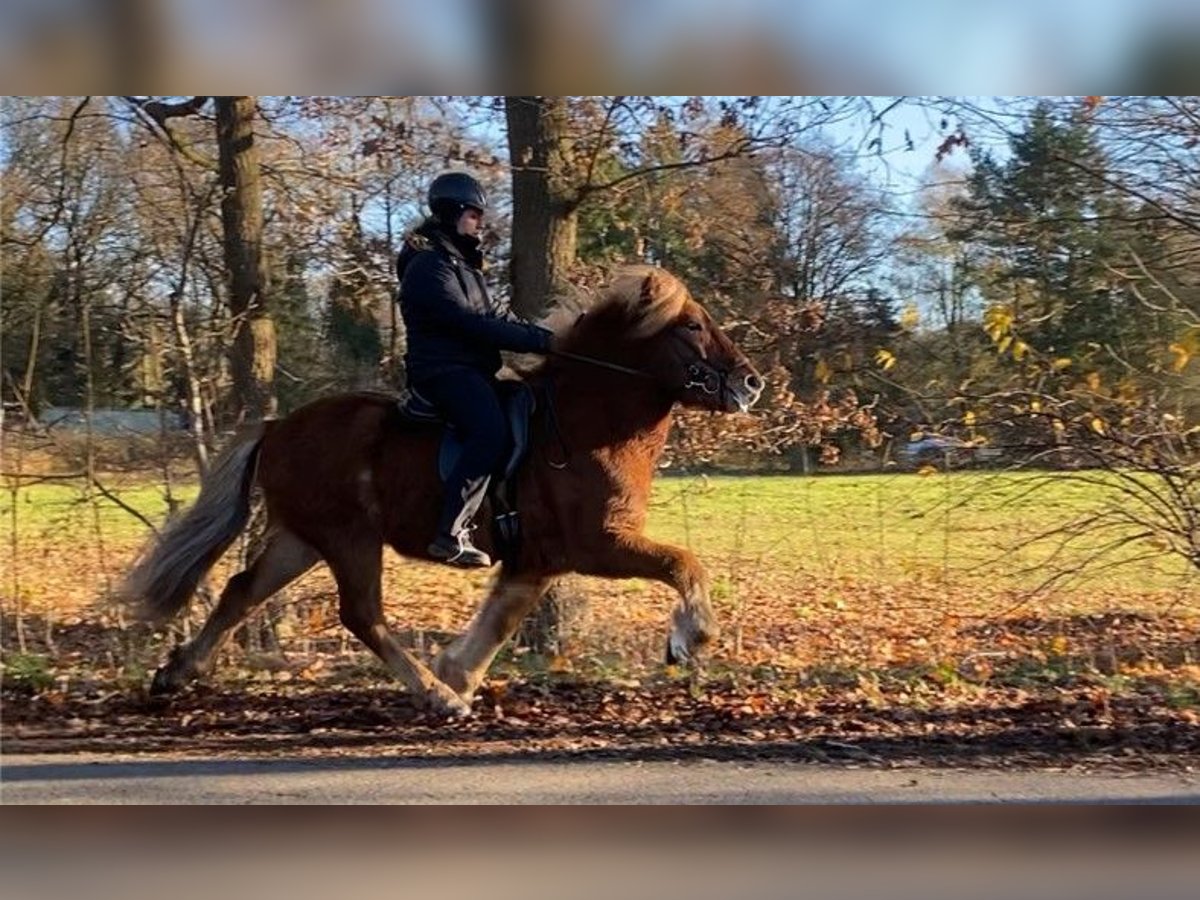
(470, 223)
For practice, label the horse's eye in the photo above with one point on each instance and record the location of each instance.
(694, 326)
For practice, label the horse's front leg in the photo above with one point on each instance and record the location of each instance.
(462, 665)
(632, 555)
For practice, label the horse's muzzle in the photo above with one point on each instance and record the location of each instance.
(741, 393)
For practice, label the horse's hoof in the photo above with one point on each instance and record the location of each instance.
(676, 655)
(443, 703)
(453, 708)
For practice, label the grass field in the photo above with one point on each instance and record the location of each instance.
(824, 576)
(887, 527)
(891, 528)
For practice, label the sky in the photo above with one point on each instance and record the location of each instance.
(618, 46)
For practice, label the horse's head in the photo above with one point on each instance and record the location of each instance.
(675, 341)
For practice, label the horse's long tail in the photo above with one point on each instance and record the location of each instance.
(165, 576)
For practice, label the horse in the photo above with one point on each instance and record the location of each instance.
(345, 475)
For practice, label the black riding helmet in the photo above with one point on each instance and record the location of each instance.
(452, 192)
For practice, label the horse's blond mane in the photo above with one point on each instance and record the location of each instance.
(651, 306)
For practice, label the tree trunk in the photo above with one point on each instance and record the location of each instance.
(544, 201)
(252, 360)
(254, 349)
(195, 400)
(544, 230)
(35, 348)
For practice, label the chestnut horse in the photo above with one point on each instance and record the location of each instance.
(343, 476)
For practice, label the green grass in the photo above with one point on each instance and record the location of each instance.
(888, 528)
(59, 509)
(27, 672)
(895, 527)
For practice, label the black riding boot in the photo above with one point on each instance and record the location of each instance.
(453, 543)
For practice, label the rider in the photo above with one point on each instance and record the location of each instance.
(455, 331)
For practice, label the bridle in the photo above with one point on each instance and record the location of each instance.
(705, 377)
(700, 375)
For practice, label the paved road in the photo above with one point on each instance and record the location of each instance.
(85, 779)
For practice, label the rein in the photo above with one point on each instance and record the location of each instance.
(699, 373)
(602, 363)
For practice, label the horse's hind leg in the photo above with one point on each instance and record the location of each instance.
(463, 664)
(358, 570)
(284, 558)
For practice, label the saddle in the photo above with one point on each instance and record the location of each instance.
(520, 403)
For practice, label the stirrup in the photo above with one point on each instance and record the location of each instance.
(461, 553)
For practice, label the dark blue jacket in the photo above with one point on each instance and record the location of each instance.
(450, 319)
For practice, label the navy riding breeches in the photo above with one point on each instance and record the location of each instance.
(469, 401)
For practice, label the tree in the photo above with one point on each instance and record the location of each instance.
(1038, 221)
(545, 202)
(568, 153)
(353, 322)
(68, 266)
(1093, 325)
(829, 316)
(254, 344)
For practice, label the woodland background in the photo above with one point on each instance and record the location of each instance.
(1016, 276)
(1020, 271)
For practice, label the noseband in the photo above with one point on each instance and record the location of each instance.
(705, 377)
